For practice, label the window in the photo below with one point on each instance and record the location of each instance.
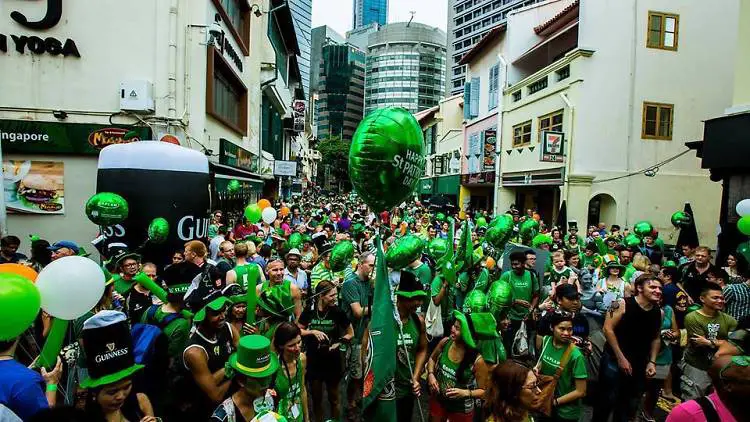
(226, 96)
(516, 96)
(538, 85)
(474, 103)
(494, 86)
(522, 134)
(563, 73)
(237, 18)
(551, 122)
(439, 165)
(663, 29)
(657, 121)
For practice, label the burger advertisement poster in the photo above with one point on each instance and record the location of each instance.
(34, 187)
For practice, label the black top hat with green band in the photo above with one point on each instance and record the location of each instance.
(213, 301)
(409, 287)
(122, 255)
(109, 349)
(476, 326)
(253, 357)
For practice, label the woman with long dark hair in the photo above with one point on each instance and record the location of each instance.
(289, 380)
(513, 393)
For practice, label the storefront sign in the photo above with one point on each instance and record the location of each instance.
(284, 168)
(30, 137)
(550, 177)
(490, 139)
(37, 45)
(478, 178)
(34, 187)
(234, 155)
(552, 147)
(298, 110)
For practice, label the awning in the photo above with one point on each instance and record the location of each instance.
(224, 173)
(546, 41)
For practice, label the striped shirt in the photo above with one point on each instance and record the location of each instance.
(737, 299)
(320, 273)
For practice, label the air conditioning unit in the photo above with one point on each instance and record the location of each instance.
(137, 96)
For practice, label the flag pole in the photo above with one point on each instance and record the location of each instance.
(408, 361)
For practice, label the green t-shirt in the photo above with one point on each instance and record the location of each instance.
(177, 332)
(447, 377)
(574, 369)
(555, 276)
(493, 351)
(423, 273)
(716, 328)
(320, 273)
(524, 287)
(356, 291)
(445, 304)
(629, 271)
(406, 353)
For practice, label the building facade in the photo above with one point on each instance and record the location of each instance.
(340, 101)
(468, 22)
(405, 67)
(603, 131)
(365, 12)
(302, 16)
(210, 76)
(321, 36)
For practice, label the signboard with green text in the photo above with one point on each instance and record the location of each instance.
(32, 137)
(234, 155)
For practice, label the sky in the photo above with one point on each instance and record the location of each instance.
(338, 13)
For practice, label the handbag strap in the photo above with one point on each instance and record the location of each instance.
(564, 360)
(545, 342)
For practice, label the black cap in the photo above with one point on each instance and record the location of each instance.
(568, 291)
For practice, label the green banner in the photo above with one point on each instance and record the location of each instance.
(31, 137)
(234, 155)
(246, 186)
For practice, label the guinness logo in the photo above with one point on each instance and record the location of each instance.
(111, 347)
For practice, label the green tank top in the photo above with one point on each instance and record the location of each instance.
(406, 346)
(290, 392)
(447, 378)
(247, 274)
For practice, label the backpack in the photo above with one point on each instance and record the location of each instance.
(150, 349)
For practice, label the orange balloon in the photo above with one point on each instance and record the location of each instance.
(264, 203)
(536, 217)
(19, 269)
(284, 211)
(489, 263)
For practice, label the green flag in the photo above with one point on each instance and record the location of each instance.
(379, 395)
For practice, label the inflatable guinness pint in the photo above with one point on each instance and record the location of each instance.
(157, 179)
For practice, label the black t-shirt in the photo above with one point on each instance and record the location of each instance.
(136, 304)
(694, 281)
(333, 323)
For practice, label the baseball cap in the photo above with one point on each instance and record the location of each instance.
(73, 246)
(568, 291)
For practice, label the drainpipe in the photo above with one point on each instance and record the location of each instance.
(498, 139)
(172, 60)
(569, 152)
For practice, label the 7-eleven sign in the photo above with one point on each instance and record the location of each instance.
(552, 147)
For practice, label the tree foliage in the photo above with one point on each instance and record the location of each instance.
(335, 153)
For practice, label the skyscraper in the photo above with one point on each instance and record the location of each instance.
(340, 91)
(368, 11)
(468, 22)
(302, 15)
(405, 67)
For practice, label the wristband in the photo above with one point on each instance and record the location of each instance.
(51, 388)
(653, 362)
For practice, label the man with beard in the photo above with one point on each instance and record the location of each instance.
(704, 328)
(632, 332)
(293, 272)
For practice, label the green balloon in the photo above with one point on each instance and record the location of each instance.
(404, 251)
(306, 238)
(341, 255)
(437, 248)
(234, 186)
(253, 213)
(528, 229)
(632, 240)
(158, 230)
(481, 222)
(107, 209)
(743, 225)
(670, 263)
(499, 296)
(692, 308)
(476, 301)
(19, 305)
(440, 217)
(295, 240)
(681, 219)
(643, 228)
(386, 158)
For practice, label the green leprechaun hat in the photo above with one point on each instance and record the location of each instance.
(109, 349)
(253, 357)
(213, 301)
(476, 326)
(610, 261)
(408, 285)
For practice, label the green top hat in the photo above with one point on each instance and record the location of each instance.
(476, 326)
(216, 303)
(409, 287)
(609, 262)
(108, 346)
(235, 293)
(253, 357)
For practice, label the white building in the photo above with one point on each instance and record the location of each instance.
(619, 87)
(218, 76)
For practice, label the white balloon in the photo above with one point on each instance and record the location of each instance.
(743, 207)
(70, 287)
(269, 215)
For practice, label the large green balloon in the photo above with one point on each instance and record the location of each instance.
(528, 229)
(476, 301)
(681, 219)
(500, 296)
(341, 255)
(107, 209)
(632, 240)
(386, 158)
(541, 239)
(404, 251)
(253, 213)
(438, 247)
(19, 305)
(743, 225)
(158, 230)
(481, 222)
(643, 228)
(295, 240)
(440, 217)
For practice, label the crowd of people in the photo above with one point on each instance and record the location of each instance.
(593, 327)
